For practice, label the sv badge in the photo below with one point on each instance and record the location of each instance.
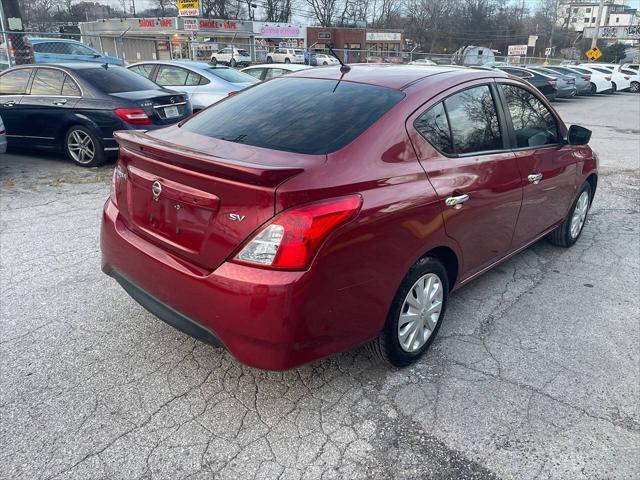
(236, 217)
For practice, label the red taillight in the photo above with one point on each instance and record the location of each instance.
(586, 77)
(231, 94)
(134, 116)
(291, 240)
(626, 77)
(552, 83)
(608, 78)
(3, 132)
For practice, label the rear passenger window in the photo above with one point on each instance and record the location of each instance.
(47, 82)
(192, 79)
(70, 88)
(474, 121)
(533, 123)
(434, 127)
(144, 70)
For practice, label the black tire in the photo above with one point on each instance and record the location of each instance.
(561, 236)
(387, 346)
(635, 87)
(233, 62)
(614, 88)
(594, 89)
(269, 60)
(325, 63)
(93, 144)
(214, 61)
(286, 60)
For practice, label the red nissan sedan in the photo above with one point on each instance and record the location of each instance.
(327, 209)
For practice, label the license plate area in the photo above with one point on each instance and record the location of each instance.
(171, 112)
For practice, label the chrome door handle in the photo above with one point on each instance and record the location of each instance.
(453, 201)
(535, 178)
(10, 103)
(60, 102)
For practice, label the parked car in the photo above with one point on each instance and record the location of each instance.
(544, 83)
(374, 59)
(583, 80)
(59, 50)
(203, 83)
(76, 107)
(231, 56)
(287, 237)
(630, 66)
(565, 84)
(3, 137)
(634, 78)
(268, 71)
(600, 82)
(286, 55)
(619, 81)
(422, 61)
(322, 59)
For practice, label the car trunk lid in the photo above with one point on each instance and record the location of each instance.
(163, 107)
(198, 197)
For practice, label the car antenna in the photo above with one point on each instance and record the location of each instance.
(105, 65)
(343, 67)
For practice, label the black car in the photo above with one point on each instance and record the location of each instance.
(546, 84)
(77, 107)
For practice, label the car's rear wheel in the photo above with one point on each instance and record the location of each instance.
(83, 147)
(233, 62)
(269, 60)
(415, 314)
(325, 63)
(214, 60)
(286, 60)
(614, 87)
(594, 89)
(569, 231)
(635, 87)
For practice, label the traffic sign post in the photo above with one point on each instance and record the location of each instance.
(593, 54)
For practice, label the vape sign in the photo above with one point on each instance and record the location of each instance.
(188, 9)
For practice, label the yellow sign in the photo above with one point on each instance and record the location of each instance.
(593, 54)
(188, 9)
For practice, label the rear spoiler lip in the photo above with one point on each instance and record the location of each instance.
(138, 142)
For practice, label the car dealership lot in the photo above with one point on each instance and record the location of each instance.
(534, 373)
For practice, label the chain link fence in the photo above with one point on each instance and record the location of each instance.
(127, 48)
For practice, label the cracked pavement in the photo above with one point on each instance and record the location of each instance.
(535, 373)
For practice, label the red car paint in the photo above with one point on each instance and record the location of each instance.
(278, 318)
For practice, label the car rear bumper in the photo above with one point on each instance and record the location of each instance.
(260, 316)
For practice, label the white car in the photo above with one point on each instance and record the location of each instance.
(634, 77)
(231, 56)
(286, 55)
(324, 59)
(619, 81)
(600, 82)
(3, 137)
(267, 71)
(422, 61)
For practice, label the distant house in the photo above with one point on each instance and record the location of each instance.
(473, 55)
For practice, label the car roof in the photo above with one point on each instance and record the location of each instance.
(58, 40)
(392, 75)
(67, 65)
(292, 67)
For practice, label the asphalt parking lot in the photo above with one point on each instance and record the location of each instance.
(535, 373)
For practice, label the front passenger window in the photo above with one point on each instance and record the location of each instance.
(533, 123)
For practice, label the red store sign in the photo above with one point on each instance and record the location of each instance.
(155, 23)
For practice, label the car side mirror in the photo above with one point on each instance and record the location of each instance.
(578, 135)
(96, 55)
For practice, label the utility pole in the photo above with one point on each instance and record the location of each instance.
(594, 40)
(553, 23)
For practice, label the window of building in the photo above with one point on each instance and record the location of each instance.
(588, 10)
(586, 20)
(593, 19)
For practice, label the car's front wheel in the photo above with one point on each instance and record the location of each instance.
(286, 60)
(594, 89)
(233, 62)
(83, 147)
(269, 60)
(415, 314)
(569, 231)
(635, 87)
(614, 87)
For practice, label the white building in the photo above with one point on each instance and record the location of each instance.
(580, 14)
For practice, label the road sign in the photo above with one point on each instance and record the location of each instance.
(189, 8)
(517, 50)
(593, 53)
(547, 51)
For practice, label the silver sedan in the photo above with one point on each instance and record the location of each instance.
(203, 82)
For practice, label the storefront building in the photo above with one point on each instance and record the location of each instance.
(269, 36)
(349, 43)
(384, 43)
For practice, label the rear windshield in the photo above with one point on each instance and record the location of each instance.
(231, 75)
(309, 116)
(115, 79)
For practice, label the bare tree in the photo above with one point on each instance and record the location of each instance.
(277, 10)
(427, 18)
(324, 10)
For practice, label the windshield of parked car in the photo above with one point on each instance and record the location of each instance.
(115, 79)
(309, 116)
(231, 75)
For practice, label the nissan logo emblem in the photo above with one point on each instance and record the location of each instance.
(156, 189)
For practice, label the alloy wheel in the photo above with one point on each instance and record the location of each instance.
(420, 312)
(81, 147)
(579, 215)
(635, 87)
